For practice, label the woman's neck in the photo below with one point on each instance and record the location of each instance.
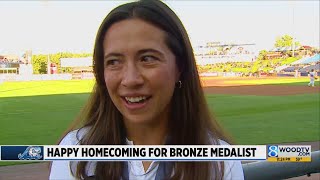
(147, 134)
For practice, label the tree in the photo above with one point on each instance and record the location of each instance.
(40, 61)
(39, 64)
(262, 54)
(285, 41)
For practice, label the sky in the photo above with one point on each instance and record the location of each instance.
(60, 26)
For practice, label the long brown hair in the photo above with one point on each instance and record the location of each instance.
(191, 121)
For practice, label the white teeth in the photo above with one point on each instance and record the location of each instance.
(135, 99)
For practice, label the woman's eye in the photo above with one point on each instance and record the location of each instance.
(111, 62)
(148, 58)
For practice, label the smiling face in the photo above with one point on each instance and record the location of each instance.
(140, 71)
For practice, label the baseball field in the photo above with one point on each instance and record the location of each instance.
(252, 110)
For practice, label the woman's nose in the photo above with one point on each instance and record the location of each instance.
(132, 76)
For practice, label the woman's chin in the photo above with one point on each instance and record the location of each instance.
(138, 120)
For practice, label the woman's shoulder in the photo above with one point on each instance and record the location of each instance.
(213, 140)
(232, 169)
(74, 137)
(222, 142)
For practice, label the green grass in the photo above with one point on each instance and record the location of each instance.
(39, 112)
(278, 81)
(37, 119)
(305, 83)
(35, 88)
(267, 119)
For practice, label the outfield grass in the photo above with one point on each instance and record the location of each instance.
(35, 88)
(39, 112)
(268, 119)
(277, 81)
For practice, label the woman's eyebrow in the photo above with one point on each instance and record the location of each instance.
(113, 55)
(150, 50)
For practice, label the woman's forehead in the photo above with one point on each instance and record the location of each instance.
(133, 33)
(133, 27)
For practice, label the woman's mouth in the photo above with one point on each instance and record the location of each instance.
(137, 102)
(138, 99)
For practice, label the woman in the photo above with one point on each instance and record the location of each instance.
(147, 92)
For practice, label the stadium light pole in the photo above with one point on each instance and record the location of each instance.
(293, 38)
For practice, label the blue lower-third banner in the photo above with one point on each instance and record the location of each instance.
(12, 153)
